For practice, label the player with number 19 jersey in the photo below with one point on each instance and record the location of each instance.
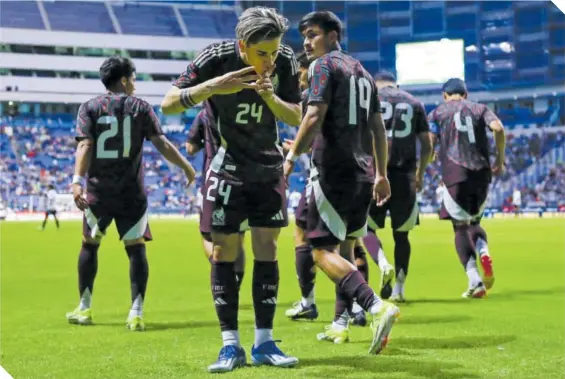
(118, 125)
(343, 170)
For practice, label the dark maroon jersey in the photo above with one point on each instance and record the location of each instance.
(247, 126)
(118, 125)
(461, 126)
(343, 150)
(204, 134)
(405, 117)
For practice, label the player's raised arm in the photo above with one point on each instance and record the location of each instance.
(494, 124)
(198, 82)
(284, 102)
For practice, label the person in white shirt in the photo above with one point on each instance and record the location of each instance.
(517, 201)
(51, 197)
(294, 200)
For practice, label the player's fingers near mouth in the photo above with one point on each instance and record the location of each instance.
(250, 78)
(244, 71)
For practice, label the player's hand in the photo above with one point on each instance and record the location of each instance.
(381, 191)
(234, 81)
(498, 168)
(190, 175)
(265, 87)
(78, 197)
(288, 168)
(419, 182)
(286, 145)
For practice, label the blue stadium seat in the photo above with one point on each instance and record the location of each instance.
(20, 14)
(79, 16)
(156, 20)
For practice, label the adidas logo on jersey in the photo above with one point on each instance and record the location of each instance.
(278, 217)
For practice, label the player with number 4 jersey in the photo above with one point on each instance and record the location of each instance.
(343, 120)
(406, 124)
(110, 132)
(461, 127)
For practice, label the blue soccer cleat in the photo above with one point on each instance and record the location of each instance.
(269, 354)
(230, 358)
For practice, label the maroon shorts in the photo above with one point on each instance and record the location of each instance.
(465, 201)
(337, 212)
(301, 212)
(130, 216)
(402, 205)
(228, 203)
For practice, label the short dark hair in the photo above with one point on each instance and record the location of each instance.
(455, 86)
(115, 68)
(326, 20)
(385, 76)
(303, 61)
(51, 186)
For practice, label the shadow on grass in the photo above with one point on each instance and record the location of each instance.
(174, 325)
(433, 319)
(456, 342)
(347, 366)
(497, 295)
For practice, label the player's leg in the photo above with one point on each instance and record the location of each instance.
(404, 211)
(56, 219)
(357, 313)
(306, 273)
(457, 203)
(226, 204)
(133, 229)
(326, 229)
(374, 246)
(267, 214)
(479, 237)
(87, 269)
(239, 266)
(305, 268)
(138, 275)
(208, 246)
(44, 221)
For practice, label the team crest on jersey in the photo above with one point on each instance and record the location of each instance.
(219, 217)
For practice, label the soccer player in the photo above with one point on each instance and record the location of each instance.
(305, 267)
(110, 132)
(204, 134)
(51, 197)
(461, 126)
(406, 122)
(344, 122)
(249, 83)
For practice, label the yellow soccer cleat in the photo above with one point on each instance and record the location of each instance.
(79, 317)
(382, 325)
(335, 335)
(135, 324)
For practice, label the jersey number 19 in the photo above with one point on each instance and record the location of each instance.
(364, 100)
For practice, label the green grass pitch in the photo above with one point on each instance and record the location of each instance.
(517, 332)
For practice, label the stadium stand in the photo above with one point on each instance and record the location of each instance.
(513, 62)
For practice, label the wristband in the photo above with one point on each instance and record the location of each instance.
(291, 157)
(77, 179)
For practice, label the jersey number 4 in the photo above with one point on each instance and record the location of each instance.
(465, 126)
(101, 151)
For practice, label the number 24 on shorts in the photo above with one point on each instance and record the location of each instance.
(224, 190)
